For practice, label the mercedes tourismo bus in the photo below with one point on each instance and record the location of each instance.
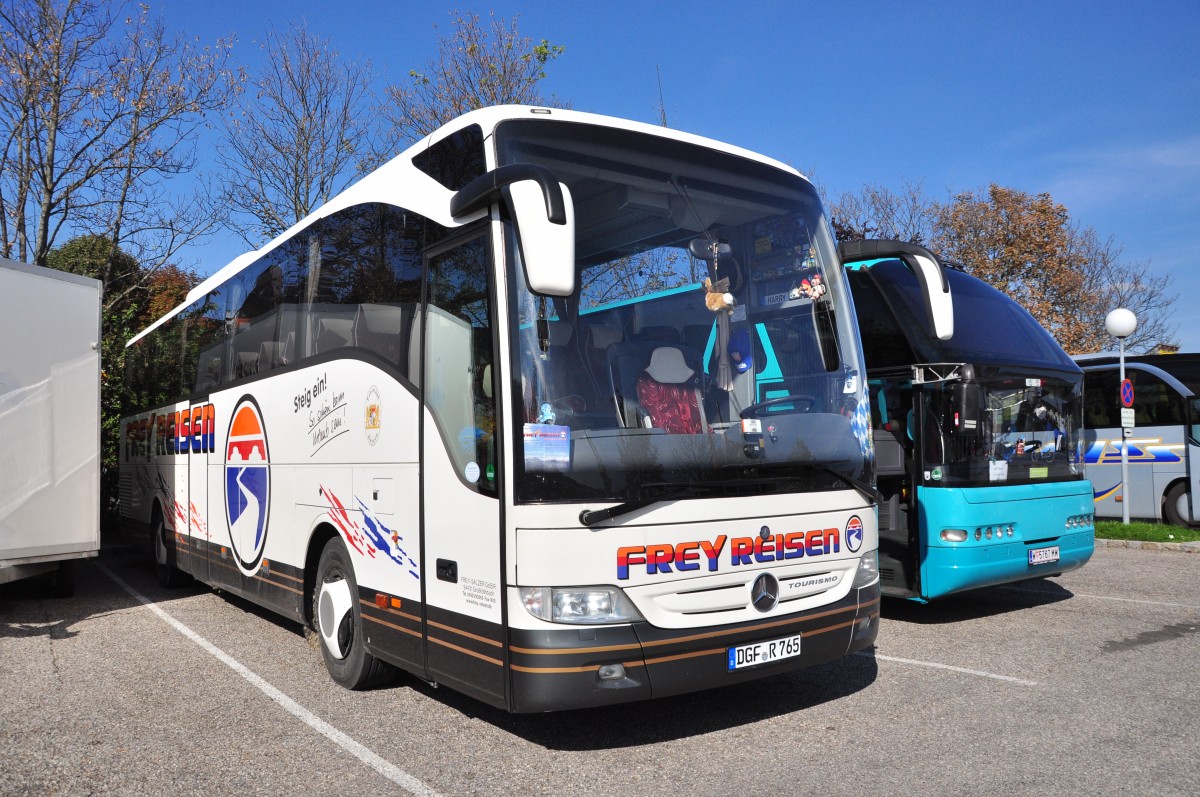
(976, 428)
(555, 409)
(1165, 441)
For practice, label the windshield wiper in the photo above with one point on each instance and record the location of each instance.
(590, 517)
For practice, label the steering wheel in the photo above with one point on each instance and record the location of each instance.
(754, 409)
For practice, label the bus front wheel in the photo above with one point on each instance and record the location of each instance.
(1175, 506)
(337, 619)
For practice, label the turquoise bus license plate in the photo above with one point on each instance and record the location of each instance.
(1042, 556)
(763, 652)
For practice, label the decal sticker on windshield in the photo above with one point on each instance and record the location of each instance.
(547, 447)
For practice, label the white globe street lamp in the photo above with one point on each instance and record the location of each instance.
(1122, 323)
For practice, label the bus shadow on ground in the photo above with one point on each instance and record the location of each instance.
(31, 607)
(673, 718)
(976, 604)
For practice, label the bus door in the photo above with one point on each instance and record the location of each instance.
(891, 418)
(460, 485)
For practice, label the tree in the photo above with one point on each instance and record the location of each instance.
(300, 138)
(1110, 283)
(476, 67)
(1020, 244)
(1025, 246)
(878, 212)
(96, 114)
(1068, 279)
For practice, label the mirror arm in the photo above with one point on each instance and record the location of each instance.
(485, 189)
(924, 264)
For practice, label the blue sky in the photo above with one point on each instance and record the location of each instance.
(1097, 103)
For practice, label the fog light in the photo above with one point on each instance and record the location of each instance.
(612, 672)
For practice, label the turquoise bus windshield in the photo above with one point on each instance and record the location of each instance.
(989, 327)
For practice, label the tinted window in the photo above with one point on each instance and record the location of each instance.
(370, 283)
(989, 327)
(455, 160)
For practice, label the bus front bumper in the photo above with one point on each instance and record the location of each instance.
(585, 667)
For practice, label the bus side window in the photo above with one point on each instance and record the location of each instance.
(1100, 399)
(369, 283)
(1156, 403)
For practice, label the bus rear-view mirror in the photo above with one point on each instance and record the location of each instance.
(544, 215)
(547, 246)
(939, 305)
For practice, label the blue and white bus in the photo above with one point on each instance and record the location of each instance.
(977, 430)
(1165, 440)
(537, 410)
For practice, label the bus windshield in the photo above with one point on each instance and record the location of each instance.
(1001, 430)
(709, 343)
(989, 327)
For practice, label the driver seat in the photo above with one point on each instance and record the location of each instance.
(669, 394)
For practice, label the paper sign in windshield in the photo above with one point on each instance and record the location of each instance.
(547, 447)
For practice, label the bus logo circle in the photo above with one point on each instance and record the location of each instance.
(854, 534)
(247, 485)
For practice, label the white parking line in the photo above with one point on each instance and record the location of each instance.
(1105, 598)
(371, 759)
(935, 665)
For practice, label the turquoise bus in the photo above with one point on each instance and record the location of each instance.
(977, 426)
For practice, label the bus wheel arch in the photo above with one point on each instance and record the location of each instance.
(1175, 506)
(337, 619)
(317, 540)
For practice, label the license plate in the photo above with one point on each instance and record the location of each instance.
(763, 652)
(1041, 556)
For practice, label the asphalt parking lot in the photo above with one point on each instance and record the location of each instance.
(1080, 685)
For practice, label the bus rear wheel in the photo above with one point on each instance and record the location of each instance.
(337, 619)
(163, 549)
(1175, 506)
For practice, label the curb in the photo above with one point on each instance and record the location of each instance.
(1143, 545)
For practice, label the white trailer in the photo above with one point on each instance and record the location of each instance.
(49, 421)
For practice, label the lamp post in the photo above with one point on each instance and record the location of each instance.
(1121, 323)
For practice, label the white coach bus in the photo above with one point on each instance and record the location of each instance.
(555, 409)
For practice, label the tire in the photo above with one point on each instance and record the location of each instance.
(162, 549)
(337, 619)
(1175, 508)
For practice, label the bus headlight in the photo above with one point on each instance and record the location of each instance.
(868, 570)
(954, 535)
(579, 605)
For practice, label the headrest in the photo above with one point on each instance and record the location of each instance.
(381, 319)
(667, 366)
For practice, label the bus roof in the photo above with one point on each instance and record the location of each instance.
(1181, 368)
(400, 183)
